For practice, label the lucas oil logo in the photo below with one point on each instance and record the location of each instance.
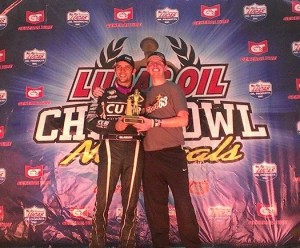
(223, 121)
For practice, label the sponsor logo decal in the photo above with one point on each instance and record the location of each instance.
(34, 215)
(255, 12)
(264, 171)
(260, 89)
(167, 15)
(78, 18)
(35, 57)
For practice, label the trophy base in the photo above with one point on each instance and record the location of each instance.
(132, 120)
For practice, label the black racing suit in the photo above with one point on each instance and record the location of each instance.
(121, 156)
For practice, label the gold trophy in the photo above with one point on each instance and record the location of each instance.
(132, 114)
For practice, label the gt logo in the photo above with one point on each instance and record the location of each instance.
(296, 7)
(258, 48)
(123, 14)
(34, 172)
(34, 93)
(210, 12)
(35, 17)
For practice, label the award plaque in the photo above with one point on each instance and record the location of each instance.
(133, 109)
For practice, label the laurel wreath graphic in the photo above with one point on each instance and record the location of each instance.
(186, 58)
(107, 61)
(185, 55)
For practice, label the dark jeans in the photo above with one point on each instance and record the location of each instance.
(163, 169)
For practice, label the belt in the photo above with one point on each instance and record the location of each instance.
(122, 137)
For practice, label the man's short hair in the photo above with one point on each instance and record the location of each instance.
(159, 54)
(127, 58)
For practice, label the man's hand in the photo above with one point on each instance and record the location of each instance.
(145, 126)
(120, 125)
(98, 91)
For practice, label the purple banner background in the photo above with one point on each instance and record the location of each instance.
(238, 63)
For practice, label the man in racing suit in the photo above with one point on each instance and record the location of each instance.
(121, 155)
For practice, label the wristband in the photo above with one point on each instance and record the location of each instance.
(152, 123)
(157, 122)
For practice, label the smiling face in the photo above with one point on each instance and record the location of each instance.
(156, 66)
(124, 73)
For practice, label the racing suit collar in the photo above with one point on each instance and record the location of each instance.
(122, 89)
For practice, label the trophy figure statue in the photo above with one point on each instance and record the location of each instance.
(133, 110)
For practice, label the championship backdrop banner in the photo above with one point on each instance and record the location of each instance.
(238, 64)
